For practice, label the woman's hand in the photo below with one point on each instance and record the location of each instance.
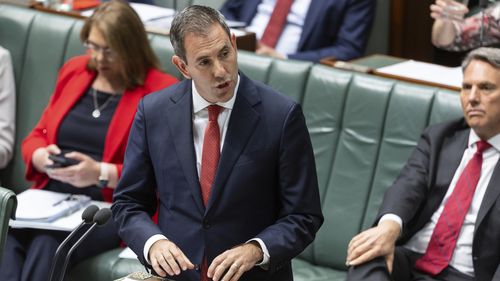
(40, 157)
(83, 174)
(448, 10)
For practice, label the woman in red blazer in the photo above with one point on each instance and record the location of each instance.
(87, 120)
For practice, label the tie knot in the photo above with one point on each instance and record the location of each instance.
(213, 112)
(482, 146)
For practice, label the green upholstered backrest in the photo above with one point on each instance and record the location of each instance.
(255, 67)
(363, 128)
(164, 51)
(289, 77)
(8, 204)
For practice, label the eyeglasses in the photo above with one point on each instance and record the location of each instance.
(108, 53)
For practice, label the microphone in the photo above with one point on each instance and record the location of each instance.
(87, 217)
(483, 4)
(100, 218)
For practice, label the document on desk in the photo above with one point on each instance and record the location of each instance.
(450, 76)
(51, 210)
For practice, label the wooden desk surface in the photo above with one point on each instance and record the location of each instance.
(371, 63)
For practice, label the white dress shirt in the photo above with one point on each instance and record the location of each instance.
(288, 42)
(7, 107)
(200, 121)
(462, 255)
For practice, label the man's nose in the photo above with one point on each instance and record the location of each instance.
(219, 69)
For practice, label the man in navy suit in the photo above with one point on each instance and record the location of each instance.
(440, 220)
(260, 209)
(313, 30)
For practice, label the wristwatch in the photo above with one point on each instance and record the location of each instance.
(104, 176)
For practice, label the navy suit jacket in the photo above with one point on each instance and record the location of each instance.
(332, 28)
(265, 185)
(422, 184)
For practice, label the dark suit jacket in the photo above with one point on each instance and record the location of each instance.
(332, 28)
(72, 83)
(423, 182)
(265, 186)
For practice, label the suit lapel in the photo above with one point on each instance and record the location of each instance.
(451, 156)
(181, 129)
(312, 14)
(490, 196)
(242, 123)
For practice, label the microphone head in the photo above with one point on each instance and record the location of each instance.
(102, 216)
(483, 3)
(88, 213)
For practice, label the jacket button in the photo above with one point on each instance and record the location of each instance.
(474, 258)
(206, 224)
(44, 131)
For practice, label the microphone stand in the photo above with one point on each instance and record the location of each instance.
(100, 218)
(87, 215)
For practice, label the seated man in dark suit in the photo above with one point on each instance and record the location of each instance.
(306, 29)
(440, 220)
(230, 161)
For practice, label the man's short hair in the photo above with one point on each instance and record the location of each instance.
(194, 19)
(490, 56)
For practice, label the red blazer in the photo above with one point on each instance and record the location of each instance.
(73, 81)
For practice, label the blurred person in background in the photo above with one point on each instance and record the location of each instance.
(305, 29)
(454, 30)
(7, 107)
(88, 119)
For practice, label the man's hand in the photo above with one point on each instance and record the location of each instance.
(265, 50)
(167, 258)
(375, 242)
(230, 265)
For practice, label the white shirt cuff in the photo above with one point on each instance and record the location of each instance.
(392, 217)
(265, 256)
(150, 243)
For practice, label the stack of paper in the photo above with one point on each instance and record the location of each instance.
(428, 72)
(46, 206)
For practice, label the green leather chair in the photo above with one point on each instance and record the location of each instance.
(8, 204)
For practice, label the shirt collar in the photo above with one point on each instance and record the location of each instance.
(199, 103)
(494, 141)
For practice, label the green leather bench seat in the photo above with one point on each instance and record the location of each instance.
(362, 128)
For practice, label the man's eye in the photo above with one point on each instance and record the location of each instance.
(204, 62)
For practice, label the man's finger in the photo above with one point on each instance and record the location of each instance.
(158, 268)
(219, 271)
(367, 256)
(172, 262)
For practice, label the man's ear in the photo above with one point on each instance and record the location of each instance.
(233, 41)
(181, 66)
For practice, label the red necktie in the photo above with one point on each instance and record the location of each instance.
(445, 234)
(276, 23)
(209, 160)
(210, 152)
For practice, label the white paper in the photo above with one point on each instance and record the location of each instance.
(67, 223)
(149, 12)
(127, 253)
(450, 76)
(43, 205)
(146, 12)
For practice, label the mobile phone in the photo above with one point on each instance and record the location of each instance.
(61, 161)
